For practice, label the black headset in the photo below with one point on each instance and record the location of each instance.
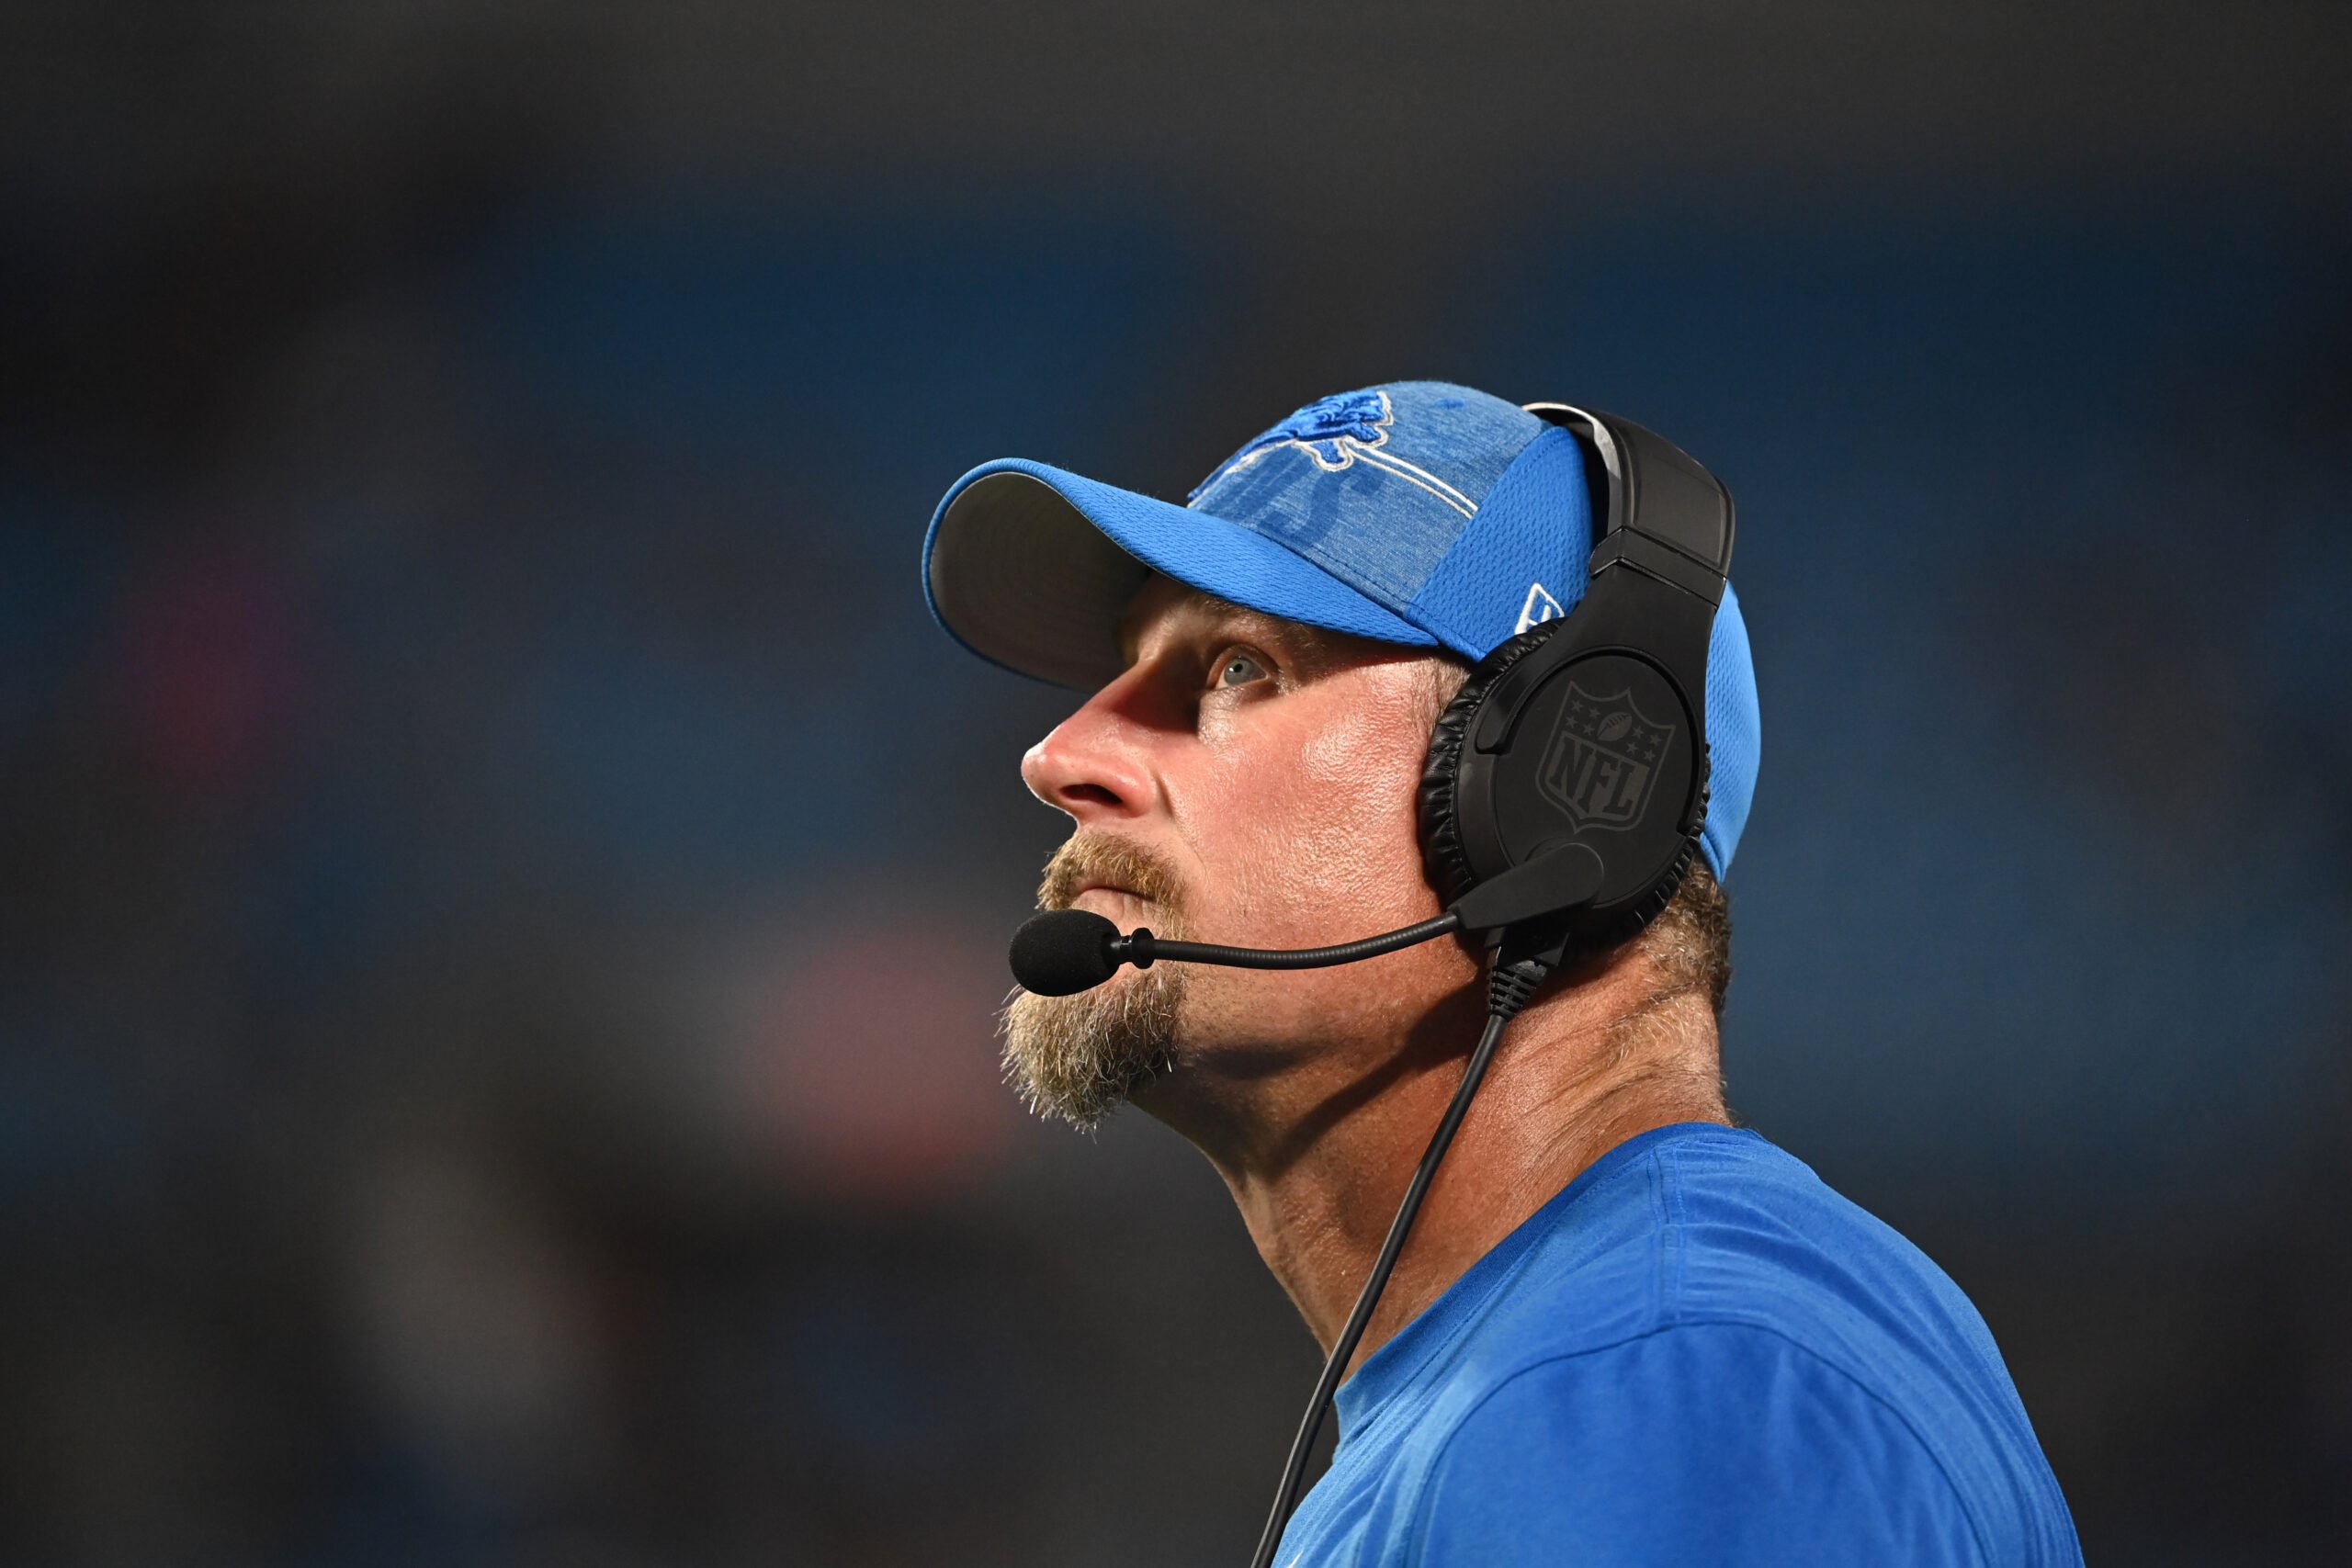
(1578, 748)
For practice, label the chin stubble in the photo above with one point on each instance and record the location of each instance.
(1078, 1058)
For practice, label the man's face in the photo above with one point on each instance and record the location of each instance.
(1246, 780)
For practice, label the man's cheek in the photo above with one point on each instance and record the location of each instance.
(1338, 867)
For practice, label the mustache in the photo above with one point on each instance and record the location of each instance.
(1099, 857)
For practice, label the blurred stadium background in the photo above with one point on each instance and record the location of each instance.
(474, 762)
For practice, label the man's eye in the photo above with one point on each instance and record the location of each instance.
(1239, 669)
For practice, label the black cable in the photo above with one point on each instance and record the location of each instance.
(1142, 948)
(1508, 990)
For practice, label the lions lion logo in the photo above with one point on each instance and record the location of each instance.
(1329, 430)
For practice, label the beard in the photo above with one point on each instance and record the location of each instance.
(1079, 1058)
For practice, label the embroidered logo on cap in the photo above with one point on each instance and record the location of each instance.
(1327, 430)
(1335, 431)
(1540, 607)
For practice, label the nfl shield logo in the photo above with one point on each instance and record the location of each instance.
(1603, 760)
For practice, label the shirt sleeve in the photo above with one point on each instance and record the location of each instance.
(1701, 1444)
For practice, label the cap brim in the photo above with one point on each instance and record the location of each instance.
(1031, 568)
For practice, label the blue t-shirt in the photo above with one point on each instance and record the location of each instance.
(1697, 1353)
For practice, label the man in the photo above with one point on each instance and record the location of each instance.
(1622, 1332)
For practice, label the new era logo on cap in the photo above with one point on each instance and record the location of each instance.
(1538, 608)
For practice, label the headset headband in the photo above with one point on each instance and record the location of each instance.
(1654, 496)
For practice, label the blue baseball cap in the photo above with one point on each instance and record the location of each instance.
(1418, 513)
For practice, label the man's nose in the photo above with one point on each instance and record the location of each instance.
(1093, 764)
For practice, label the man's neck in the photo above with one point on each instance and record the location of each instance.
(1318, 1181)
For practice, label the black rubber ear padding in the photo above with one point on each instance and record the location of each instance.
(1441, 854)
(1636, 917)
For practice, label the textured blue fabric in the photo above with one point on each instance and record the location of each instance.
(1534, 532)
(1419, 512)
(1697, 1353)
(1735, 732)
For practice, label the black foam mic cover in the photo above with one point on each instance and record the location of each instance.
(1063, 951)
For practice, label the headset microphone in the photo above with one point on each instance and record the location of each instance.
(1063, 951)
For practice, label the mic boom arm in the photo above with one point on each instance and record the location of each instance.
(1142, 949)
(1063, 951)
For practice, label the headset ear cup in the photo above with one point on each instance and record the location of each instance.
(1442, 856)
